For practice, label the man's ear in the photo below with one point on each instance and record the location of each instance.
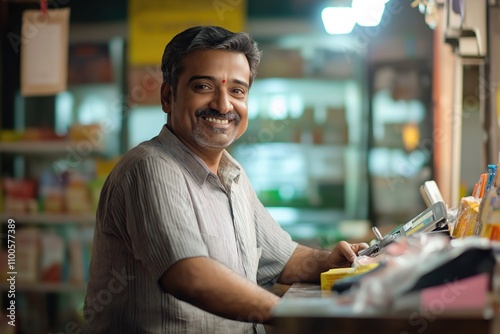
(167, 96)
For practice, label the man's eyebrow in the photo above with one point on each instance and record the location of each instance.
(209, 77)
(197, 77)
(241, 82)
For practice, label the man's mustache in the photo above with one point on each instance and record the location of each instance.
(214, 113)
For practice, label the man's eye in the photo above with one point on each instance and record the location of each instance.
(202, 87)
(238, 91)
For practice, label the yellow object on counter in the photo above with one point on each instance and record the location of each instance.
(491, 229)
(467, 217)
(328, 278)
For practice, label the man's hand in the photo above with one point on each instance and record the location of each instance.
(343, 254)
(306, 264)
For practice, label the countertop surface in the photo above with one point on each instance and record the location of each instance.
(305, 308)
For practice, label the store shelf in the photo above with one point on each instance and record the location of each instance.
(50, 147)
(49, 219)
(46, 287)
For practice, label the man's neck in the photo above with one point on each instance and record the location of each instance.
(211, 159)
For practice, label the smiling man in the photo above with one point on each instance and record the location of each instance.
(182, 244)
(207, 108)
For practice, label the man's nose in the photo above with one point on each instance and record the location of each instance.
(222, 102)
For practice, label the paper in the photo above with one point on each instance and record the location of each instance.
(467, 293)
(38, 73)
(44, 52)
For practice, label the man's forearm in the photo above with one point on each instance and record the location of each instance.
(214, 288)
(305, 265)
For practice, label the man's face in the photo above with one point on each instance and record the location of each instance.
(209, 110)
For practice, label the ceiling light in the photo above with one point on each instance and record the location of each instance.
(338, 20)
(368, 13)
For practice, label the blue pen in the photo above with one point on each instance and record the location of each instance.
(492, 170)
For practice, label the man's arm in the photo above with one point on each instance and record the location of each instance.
(306, 264)
(209, 285)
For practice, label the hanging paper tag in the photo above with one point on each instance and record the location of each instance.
(44, 52)
(43, 6)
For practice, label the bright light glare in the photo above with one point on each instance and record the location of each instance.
(278, 107)
(338, 20)
(368, 13)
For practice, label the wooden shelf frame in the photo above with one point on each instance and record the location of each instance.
(82, 148)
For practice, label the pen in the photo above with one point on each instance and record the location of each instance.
(492, 170)
(483, 181)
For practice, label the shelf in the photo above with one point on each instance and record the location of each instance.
(49, 219)
(82, 148)
(46, 287)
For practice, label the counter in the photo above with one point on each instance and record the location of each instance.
(304, 308)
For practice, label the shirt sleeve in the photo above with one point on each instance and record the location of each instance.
(160, 221)
(277, 245)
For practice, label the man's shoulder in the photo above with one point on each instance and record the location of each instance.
(147, 154)
(151, 149)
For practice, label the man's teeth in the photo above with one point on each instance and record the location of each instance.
(216, 120)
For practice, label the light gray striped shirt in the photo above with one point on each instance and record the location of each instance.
(162, 204)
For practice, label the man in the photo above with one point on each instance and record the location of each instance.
(182, 244)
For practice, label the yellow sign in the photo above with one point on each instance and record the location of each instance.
(154, 23)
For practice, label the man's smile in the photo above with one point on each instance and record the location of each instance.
(217, 120)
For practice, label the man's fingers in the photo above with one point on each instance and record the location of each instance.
(347, 250)
(360, 246)
(357, 247)
(350, 251)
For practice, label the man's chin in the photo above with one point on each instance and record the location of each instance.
(215, 144)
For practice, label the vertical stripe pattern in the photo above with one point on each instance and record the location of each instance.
(162, 204)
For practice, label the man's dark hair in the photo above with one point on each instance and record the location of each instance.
(206, 38)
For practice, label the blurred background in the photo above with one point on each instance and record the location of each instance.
(356, 104)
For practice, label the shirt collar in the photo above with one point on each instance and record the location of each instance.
(229, 168)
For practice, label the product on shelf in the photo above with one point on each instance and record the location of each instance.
(51, 192)
(77, 197)
(27, 251)
(92, 132)
(40, 133)
(20, 195)
(7, 135)
(76, 261)
(52, 257)
(73, 191)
